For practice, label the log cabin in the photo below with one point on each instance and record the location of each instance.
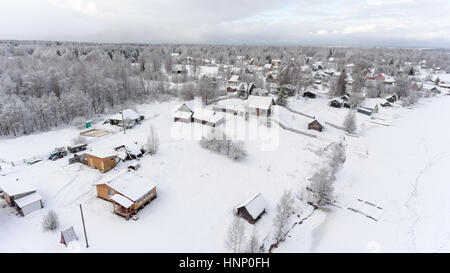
(315, 125)
(101, 160)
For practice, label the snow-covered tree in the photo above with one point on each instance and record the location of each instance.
(284, 210)
(236, 235)
(322, 187)
(350, 122)
(253, 243)
(50, 221)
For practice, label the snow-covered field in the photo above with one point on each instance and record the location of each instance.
(400, 168)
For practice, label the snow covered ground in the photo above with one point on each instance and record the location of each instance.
(405, 173)
(398, 167)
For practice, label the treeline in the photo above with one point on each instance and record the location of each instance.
(46, 84)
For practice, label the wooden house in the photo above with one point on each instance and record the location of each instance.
(131, 118)
(253, 209)
(315, 125)
(127, 190)
(309, 94)
(182, 113)
(22, 196)
(101, 160)
(245, 87)
(260, 106)
(336, 103)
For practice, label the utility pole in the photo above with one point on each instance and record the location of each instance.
(123, 123)
(84, 227)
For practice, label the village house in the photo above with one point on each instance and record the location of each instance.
(128, 191)
(309, 94)
(270, 77)
(208, 117)
(260, 106)
(22, 196)
(268, 67)
(131, 118)
(315, 125)
(231, 106)
(101, 159)
(253, 209)
(444, 85)
(182, 113)
(385, 104)
(234, 81)
(336, 102)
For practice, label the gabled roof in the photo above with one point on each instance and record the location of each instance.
(128, 183)
(255, 206)
(260, 102)
(69, 235)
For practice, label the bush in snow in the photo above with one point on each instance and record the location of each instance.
(322, 188)
(78, 122)
(50, 221)
(284, 209)
(152, 141)
(187, 91)
(411, 99)
(236, 235)
(234, 150)
(350, 122)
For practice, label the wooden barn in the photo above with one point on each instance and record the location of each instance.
(101, 160)
(22, 196)
(253, 209)
(309, 94)
(127, 190)
(315, 125)
(260, 106)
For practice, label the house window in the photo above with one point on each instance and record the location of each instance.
(110, 192)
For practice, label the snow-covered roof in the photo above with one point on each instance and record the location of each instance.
(127, 114)
(69, 235)
(122, 200)
(13, 188)
(255, 206)
(128, 183)
(267, 66)
(182, 114)
(101, 152)
(259, 102)
(208, 115)
(27, 199)
(234, 78)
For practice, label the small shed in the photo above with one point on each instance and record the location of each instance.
(76, 148)
(68, 236)
(315, 125)
(309, 94)
(253, 209)
(103, 160)
(22, 196)
(365, 111)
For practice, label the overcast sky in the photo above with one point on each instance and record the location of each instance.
(405, 23)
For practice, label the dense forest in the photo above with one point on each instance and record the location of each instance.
(48, 84)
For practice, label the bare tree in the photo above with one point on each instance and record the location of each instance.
(253, 244)
(322, 188)
(236, 235)
(50, 221)
(152, 141)
(284, 210)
